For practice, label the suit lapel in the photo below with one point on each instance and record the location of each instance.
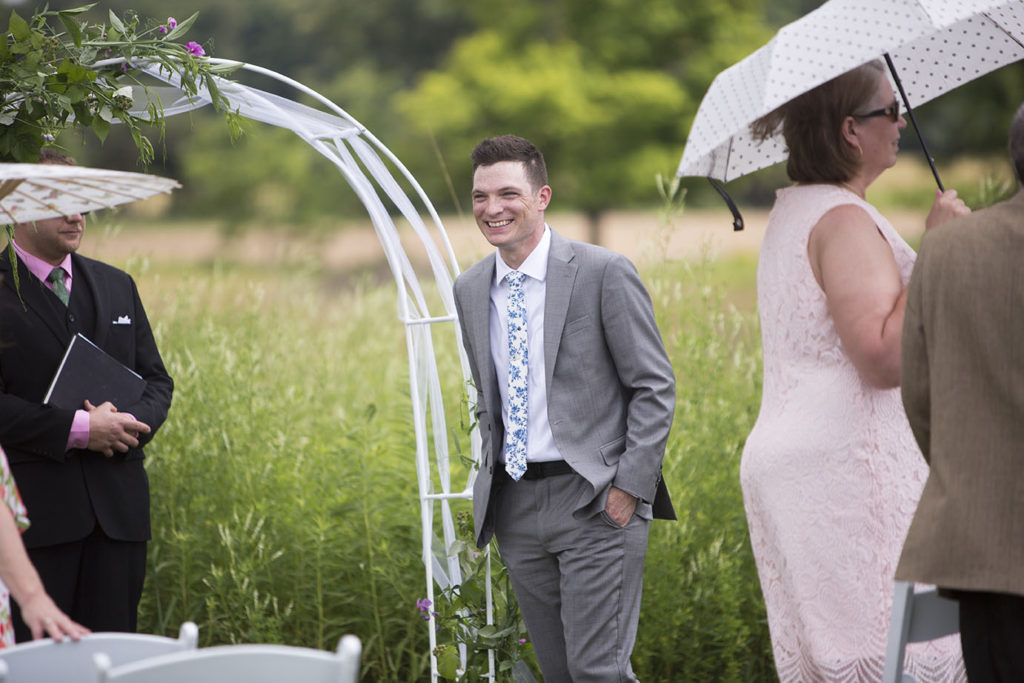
(479, 324)
(34, 294)
(561, 277)
(82, 269)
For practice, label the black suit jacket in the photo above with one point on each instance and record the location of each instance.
(68, 492)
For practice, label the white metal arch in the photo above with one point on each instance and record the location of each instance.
(364, 163)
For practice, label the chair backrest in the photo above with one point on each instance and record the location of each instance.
(916, 617)
(45, 660)
(250, 663)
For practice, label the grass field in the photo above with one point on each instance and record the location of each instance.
(284, 487)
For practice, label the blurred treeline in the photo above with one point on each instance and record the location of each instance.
(607, 88)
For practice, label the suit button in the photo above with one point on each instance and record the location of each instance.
(71, 317)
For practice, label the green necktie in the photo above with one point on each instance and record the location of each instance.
(57, 278)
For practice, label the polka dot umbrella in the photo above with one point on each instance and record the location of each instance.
(930, 46)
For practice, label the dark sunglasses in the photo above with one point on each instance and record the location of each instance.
(892, 112)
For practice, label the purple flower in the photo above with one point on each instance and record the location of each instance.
(424, 605)
(172, 23)
(161, 29)
(48, 137)
(124, 67)
(195, 49)
(522, 641)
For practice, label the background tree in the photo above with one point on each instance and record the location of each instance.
(358, 54)
(607, 87)
(601, 88)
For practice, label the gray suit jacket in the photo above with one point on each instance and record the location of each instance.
(963, 389)
(610, 387)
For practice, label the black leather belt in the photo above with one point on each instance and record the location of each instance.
(540, 470)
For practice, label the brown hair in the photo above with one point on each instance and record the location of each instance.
(512, 148)
(812, 126)
(1017, 143)
(52, 155)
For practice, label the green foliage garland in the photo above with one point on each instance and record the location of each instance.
(53, 79)
(462, 615)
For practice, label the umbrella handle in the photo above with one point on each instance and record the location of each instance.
(737, 219)
(913, 121)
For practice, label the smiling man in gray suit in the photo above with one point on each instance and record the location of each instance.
(576, 399)
(963, 355)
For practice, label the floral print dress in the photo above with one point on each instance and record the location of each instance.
(12, 499)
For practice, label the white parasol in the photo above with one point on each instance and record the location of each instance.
(30, 192)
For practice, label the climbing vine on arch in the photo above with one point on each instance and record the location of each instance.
(59, 70)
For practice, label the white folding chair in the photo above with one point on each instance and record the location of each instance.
(250, 663)
(45, 661)
(916, 617)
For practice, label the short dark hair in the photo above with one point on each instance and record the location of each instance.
(512, 148)
(1017, 143)
(812, 126)
(52, 155)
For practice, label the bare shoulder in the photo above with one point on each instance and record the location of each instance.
(847, 229)
(847, 240)
(843, 221)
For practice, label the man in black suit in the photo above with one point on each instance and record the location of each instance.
(81, 472)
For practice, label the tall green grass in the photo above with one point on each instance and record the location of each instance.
(703, 617)
(284, 488)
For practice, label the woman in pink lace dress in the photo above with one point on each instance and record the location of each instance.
(37, 609)
(831, 473)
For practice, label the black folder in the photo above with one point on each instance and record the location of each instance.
(89, 372)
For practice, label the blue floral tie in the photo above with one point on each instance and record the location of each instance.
(515, 434)
(57, 278)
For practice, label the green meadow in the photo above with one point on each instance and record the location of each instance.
(284, 492)
(284, 488)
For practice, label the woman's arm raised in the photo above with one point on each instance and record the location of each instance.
(855, 267)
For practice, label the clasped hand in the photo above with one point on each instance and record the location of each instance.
(111, 431)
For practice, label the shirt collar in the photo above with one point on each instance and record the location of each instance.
(37, 266)
(535, 265)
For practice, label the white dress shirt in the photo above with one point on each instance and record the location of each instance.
(540, 444)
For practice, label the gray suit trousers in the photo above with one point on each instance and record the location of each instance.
(578, 581)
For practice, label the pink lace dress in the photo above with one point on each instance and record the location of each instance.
(831, 473)
(9, 498)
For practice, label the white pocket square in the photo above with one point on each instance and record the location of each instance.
(122, 320)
